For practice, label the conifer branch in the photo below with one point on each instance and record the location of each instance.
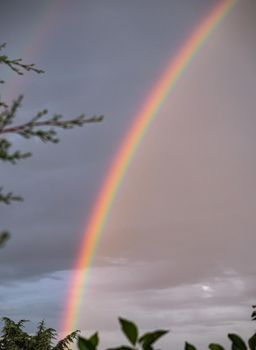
(17, 64)
(40, 126)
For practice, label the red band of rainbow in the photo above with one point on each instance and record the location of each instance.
(117, 170)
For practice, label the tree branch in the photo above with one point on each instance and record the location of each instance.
(65, 124)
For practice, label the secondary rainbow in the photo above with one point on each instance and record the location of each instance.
(38, 38)
(118, 167)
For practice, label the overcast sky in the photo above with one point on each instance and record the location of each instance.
(178, 248)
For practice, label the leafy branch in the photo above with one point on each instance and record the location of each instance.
(14, 337)
(41, 125)
(147, 341)
(17, 64)
(34, 126)
(130, 330)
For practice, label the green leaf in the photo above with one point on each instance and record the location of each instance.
(94, 339)
(189, 346)
(148, 339)
(252, 342)
(129, 329)
(237, 342)
(85, 344)
(214, 346)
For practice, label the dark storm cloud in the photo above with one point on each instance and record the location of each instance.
(98, 60)
(175, 253)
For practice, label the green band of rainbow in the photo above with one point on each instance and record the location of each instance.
(118, 168)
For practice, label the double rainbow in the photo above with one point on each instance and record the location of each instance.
(142, 121)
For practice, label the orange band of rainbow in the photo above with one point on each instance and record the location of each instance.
(134, 136)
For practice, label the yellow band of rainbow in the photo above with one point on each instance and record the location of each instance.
(143, 119)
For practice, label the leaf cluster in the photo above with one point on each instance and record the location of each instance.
(130, 330)
(41, 126)
(14, 337)
(147, 341)
(237, 343)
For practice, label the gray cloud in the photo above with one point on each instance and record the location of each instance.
(91, 74)
(179, 242)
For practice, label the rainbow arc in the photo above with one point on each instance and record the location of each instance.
(117, 170)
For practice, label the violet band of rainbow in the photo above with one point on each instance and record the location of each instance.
(117, 170)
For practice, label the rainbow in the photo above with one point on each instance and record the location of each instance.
(142, 121)
(35, 45)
